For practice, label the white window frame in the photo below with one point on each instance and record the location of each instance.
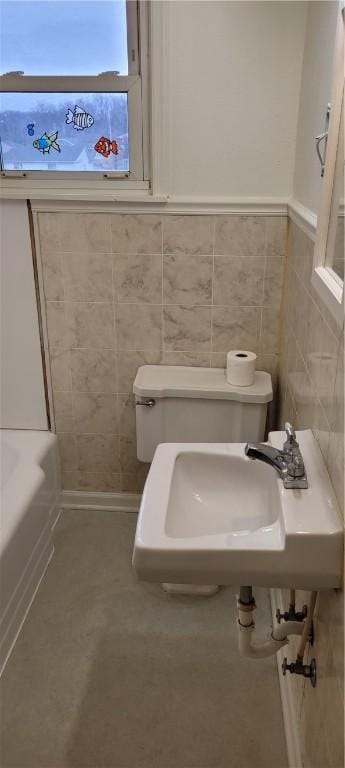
(326, 282)
(135, 85)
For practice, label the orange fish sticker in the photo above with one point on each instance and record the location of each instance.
(104, 146)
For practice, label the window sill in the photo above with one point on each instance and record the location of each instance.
(77, 191)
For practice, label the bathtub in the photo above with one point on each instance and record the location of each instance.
(30, 496)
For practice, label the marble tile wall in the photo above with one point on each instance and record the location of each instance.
(311, 395)
(124, 290)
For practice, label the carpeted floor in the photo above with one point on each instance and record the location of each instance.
(110, 672)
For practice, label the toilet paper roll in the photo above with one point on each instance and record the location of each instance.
(240, 367)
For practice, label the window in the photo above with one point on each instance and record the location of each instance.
(71, 89)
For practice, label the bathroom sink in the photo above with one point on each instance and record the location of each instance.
(210, 515)
(212, 493)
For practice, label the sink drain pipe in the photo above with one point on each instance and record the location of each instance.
(246, 626)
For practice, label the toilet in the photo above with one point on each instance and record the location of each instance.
(180, 404)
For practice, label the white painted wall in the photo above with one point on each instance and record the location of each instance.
(22, 389)
(235, 71)
(315, 94)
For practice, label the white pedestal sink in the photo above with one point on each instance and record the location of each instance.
(210, 515)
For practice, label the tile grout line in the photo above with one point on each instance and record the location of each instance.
(162, 294)
(265, 261)
(260, 339)
(184, 305)
(212, 297)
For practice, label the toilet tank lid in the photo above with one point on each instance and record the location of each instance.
(160, 381)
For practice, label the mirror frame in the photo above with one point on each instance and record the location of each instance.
(325, 281)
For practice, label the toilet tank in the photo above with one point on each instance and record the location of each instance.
(178, 404)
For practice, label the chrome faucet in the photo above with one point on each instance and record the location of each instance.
(288, 462)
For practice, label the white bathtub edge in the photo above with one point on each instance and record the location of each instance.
(44, 555)
(30, 509)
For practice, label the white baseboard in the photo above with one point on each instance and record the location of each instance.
(113, 502)
(289, 713)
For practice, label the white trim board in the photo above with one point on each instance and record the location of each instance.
(160, 204)
(292, 738)
(165, 205)
(100, 501)
(303, 217)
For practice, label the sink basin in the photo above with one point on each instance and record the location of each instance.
(212, 493)
(210, 515)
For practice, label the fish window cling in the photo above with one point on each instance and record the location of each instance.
(46, 143)
(79, 118)
(105, 147)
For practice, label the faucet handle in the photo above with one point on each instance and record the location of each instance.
(296, 466)
(290, 442)
(290, 431)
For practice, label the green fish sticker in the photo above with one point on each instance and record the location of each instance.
(45, 143)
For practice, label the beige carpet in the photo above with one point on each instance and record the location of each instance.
(110, 672)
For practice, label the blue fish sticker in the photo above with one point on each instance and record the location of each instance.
(30, 128)
(45, 143)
